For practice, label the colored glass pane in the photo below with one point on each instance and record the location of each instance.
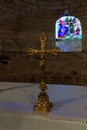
(68, 33)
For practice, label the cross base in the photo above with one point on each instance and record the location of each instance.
(43, 104)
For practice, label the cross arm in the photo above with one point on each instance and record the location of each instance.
(54, 51)
(31, 51)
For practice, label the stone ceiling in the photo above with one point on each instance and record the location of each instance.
(21, 9)
(12, 8)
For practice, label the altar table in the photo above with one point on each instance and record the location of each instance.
(69, 111)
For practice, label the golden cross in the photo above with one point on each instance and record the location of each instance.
(43, 103)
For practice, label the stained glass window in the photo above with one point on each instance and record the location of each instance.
(68, 33)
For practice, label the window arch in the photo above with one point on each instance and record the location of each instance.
(68, 33)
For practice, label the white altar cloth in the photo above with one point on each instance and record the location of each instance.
(69, 109)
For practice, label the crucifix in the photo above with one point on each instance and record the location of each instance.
(43, 103)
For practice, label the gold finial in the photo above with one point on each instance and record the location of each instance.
(43, 37)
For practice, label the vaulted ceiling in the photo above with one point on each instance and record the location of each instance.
(26, 11)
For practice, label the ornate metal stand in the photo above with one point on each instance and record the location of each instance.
(43, 103)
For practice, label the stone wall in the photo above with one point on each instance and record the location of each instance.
(21, 25)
